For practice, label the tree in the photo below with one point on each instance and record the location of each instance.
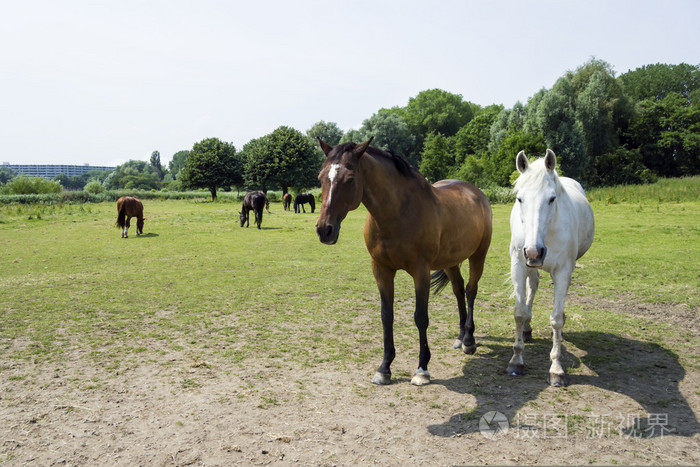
(667, 133)
(211, 164)
(556, 121)
(473, 138)
(437, 158)
(136, 175)
(435, 111)
(6, 174)
(327, 131)
(353, 136)
(659, 80)
(390, 133)
(155, 163)
(177, 163)
(284, 158)
(514, 141)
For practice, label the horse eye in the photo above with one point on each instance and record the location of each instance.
(519, 200)
(350, 180)
(551, 200)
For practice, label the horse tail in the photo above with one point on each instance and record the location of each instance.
(438, 281)
(121, 217)
(312, 202)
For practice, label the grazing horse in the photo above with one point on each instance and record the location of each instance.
(287, 201)
(411, 225)
(128, 207)
(304, 198)
(551, 227)
(253, 201)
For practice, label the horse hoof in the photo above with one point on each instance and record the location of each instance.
(457, 344)
(469, 349)
(557, 381)
(516, 370)
(382, 379)
(421, 378)
(527, 336)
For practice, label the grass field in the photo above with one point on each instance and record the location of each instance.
(197, 287)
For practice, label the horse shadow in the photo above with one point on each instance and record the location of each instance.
(643, 371)
(147, 235)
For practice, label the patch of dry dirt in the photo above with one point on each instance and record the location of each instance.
(170, 409)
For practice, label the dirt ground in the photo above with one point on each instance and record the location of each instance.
(171, 409)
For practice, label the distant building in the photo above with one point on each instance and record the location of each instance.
(51, 171)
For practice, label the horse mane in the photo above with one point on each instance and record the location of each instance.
(402, 165)
(535, 176)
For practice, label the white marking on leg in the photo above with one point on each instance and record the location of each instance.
(332, 173)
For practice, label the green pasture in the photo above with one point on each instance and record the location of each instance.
(200, 285)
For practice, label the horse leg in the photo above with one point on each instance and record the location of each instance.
(247, 218)
(533, 282)
(385, 283)
(455, 277)
(522, 314)
(421, 281)
(561, 279)
(125, 234)
(476, 269)
(258, 218)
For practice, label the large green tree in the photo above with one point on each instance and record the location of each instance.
(329, 132)
(659, 80)
(285, 158)
(435, 111)
(211, 164)
(391, 133)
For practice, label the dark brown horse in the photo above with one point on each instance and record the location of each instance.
(411, 225)
(303, 198)
(128, 207)
(287, 201)
(253, 201)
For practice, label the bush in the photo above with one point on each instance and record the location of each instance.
(30, 185)
(94, 187)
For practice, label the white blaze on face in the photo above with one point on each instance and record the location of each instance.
(332, 173)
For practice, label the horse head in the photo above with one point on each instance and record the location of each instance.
(341, 187)
(536, 188)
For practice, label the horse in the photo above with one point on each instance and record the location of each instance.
(287, 201)
(128, 207)
(551, 226)
(302, 198)
(253, 201)
(413, 226)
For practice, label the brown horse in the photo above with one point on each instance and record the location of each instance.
(128, 207)
(287, 201)
(411, 225)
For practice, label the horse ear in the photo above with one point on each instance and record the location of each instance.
(550, 160)
(361, 148)
(325, 147)
(521, 162)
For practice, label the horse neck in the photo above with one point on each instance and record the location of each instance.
(386, 190)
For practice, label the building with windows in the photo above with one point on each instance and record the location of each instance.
(51, 171)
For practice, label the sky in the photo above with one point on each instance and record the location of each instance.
(104, 82)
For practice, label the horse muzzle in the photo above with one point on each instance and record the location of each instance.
(534, 257)
(327, 233)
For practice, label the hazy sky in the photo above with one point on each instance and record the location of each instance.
(102, 82)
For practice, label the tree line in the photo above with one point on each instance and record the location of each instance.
(605, 130)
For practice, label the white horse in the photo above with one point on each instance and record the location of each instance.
(551, 227)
